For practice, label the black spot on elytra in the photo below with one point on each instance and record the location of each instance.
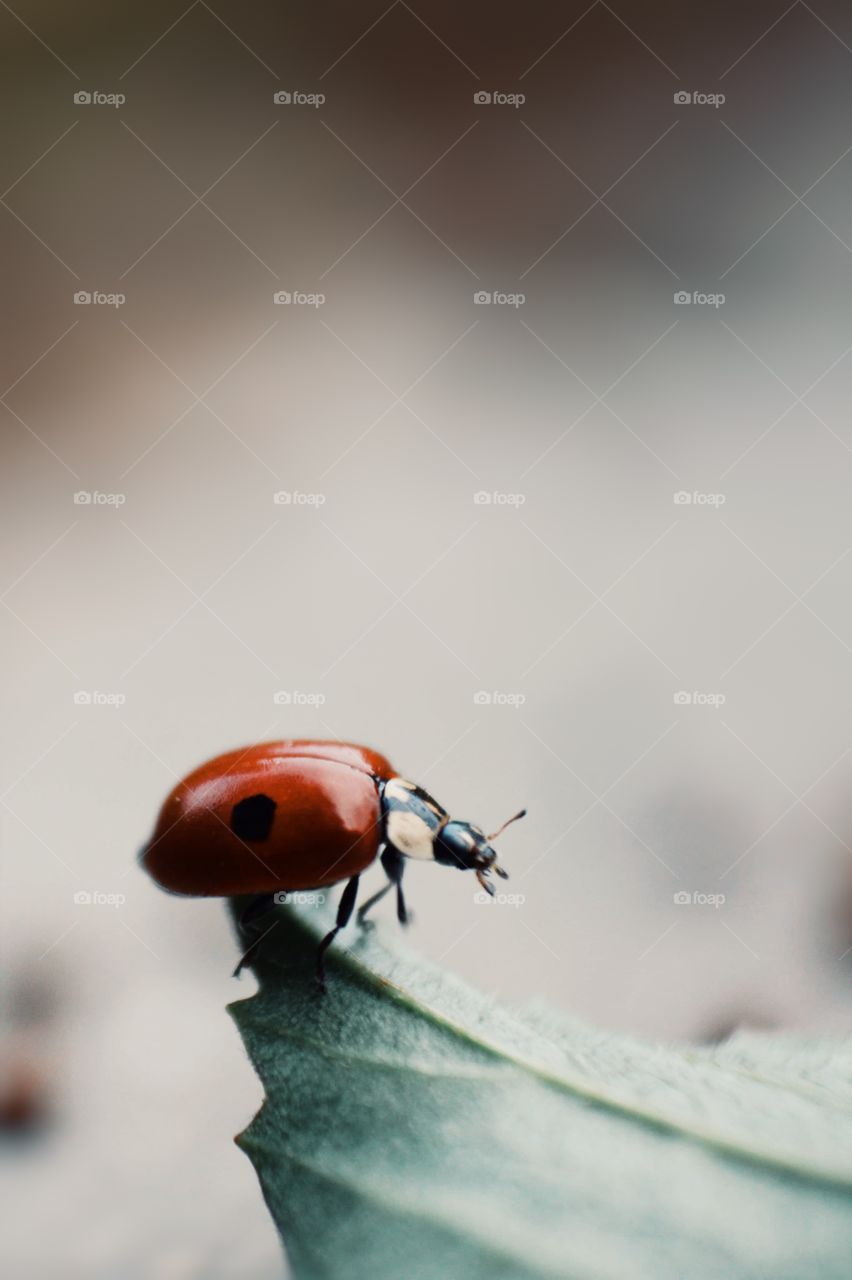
(252, 818)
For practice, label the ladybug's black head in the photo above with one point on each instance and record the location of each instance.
(416, 826)
(466, 846)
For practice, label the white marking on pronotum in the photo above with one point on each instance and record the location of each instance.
(410, 834)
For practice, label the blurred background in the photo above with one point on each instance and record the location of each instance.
(470, 384)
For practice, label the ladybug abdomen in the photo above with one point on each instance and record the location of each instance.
(267, 820)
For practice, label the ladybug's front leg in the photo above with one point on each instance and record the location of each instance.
(344, 912)
(394, 865)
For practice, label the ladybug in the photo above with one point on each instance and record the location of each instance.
(305, 814)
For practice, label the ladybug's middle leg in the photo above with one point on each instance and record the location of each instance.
(377, 897)
(344, 912)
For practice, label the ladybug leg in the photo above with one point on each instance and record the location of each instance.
(255, 911)
(377, 897)
(344, 912)
(394, 865)
(247, 959)
(258, 907)
(371, 902)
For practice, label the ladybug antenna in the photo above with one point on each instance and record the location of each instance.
(522, 813)
(495, 867)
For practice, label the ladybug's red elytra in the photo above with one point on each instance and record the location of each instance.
(305, 814)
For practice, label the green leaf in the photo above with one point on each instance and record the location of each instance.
(415, 1130)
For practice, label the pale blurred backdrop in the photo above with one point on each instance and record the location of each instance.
(685, 868)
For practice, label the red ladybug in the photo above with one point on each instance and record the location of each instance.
(305, 814)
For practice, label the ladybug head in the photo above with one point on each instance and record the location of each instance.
(466, 846)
